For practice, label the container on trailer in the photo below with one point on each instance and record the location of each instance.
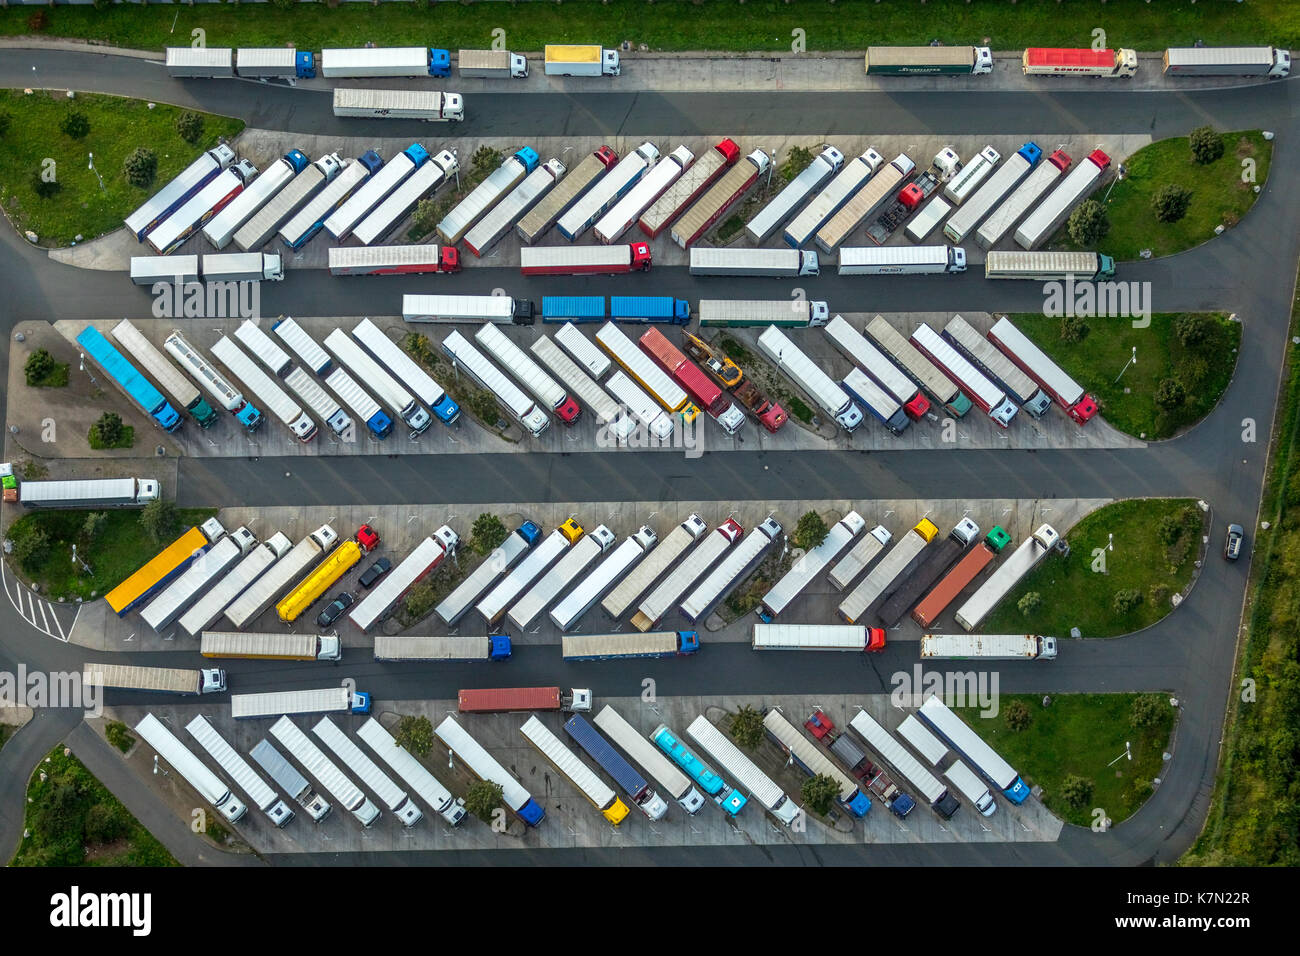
(889, 749)
(616, 765)
(348, 795)
(603, 194)
(675, 783)
(505, 700)
(1030, 190)
(1008, 574)
(493, 227)
(385, 61)
(801, 370)
(496, 647)
(422, 183)
(824, 165)
(492, 64)
(939, 558)
(809, 565)
(486, 195)
(427, 556)
(598, 793)
(700, 560)
(572, 188)
(413, 773)
(648, 571)
(777, 263)
(494, 604)
(277, 402)
(702, 390)
(295, 194)
(483, 766)
(998, 185)
(1266, 61)
(654, 182)
(649, 308)
(466, 357)
(721, 196)
(209, 786)
(199, 61)
(928, 60)
(275, 177)
(606, 574)
(689, 187)
(828, 202)
(923, 223)
(864, 202)
(897, 563)
(179, 190)
(1040, 224)
(1034, 362)
(1005, 373)
(965, 571)
(236, 767)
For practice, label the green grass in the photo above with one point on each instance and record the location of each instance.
(126, 440)
(1079, 734)
(57, 377)
(1129, 404)
(1254, 820)
(117, 551)
(75, 821)
(1074, 595)
(1219, 196)
(117, 126)
(677, 25)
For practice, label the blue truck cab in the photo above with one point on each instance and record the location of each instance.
(530, 532)
(531, 813)
(688, 642)
(649, 308)
(1030, 153)
(447, 410)
(416, 154)
(249, 416)
(380, 425)
(297, 158)
(439, 62)
(304, 65)
(499, 647)
(573, 308)
(372, 162)
(360, 702)
(527, 156)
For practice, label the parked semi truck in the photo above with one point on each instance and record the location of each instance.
(215, 384)
(287, 777)
(650, 376)
(492, 64)
(324, 700)
(589, 59)
(627, 777)
(271, 647)
(815, 383)
(928, 60)
(730, 800)
(584, 260)
(502, 309)
(509, 355)
(701, 389)
(431, 106)
(501, 560)
(974, 384)
(653, 184)
(1063, 61)
(317, 584)
(675, 783)
(223, 226)
(407, 371)
(392, 260)
(892, 568)
(864, 202)
(971, 566)
(971, 175)
(162, 680)
(747, 774)
(828, 202)
(493, 227)
(265, 389)
(996, 647)
(986, 761)
(203, 572)
(944, 166)
(340, 223)
(939, 557)
(568, 191)
(572, 563)
(196, 773)
(598, 793)
(236, 767)
(721, 196)
(263, 592)
(360, 402)
(1047, 266)
(218, 597)
(275, 63)
(422, 183)
(901, 260)
(1008, 574)
(346, 793)
(379, 783)
(385, 61)
(855, 347)
(128, 378)
(701, 558)
(809, 565)
(606, 574)
(752, 313)
(649, 308)
(805, 755)
(600, 647)
(995, 188)
(772, 216)
(493, 606)
(651, 415)
(482, 765)
(392, 587)
(1001, 370)
(303, 225)
(496, 647)
(486, 195)
(465, 357)
(776, 263)
(170, 234)
(287, 202)
(897, 756)
(1268, 61)
(200, 61)
(929, 217)
(689, 187)
(505, 700)
(730, 570)
(648, 571)
(607, 191)
(1035, 363)
(817, 637)
(843, 747)
(875, 400)
(413, 773)
(242, 267)
(607, 411)
(868, 548)
(1031, 189)
(89, 493)
(150, 270)
(178, 191)
(1040, 224)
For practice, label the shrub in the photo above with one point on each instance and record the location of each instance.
(1018, 715)
(1088, 223)
(797, 159)
(415, 734)
(484, 799)
(159, 520)
(819, 793)
(32, 548)
(92, 526)
(810, 531)
(106, 822)
(419, 601)
(140, 167)
(39, 366)
(1074, 329)
(108, 430)
(747, 727)
(487, 533)
(5, 122)
(1170, 394)
(425, 219)
(1030, 603)
(1192, 329)
(118, 735)
(1169, 528)
(38, 21)
(1170, 202)
(486, 159)
(1207, 145)
(1126, 600)
(189, 126)
(45, 188)
(1148, 709)
(1158, 594)
(1076, 790)
(75, 124)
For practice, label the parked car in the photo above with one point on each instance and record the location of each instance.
(376, 571)
(1232, 544)
(342, 601)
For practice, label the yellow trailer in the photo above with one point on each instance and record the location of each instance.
(314, 586)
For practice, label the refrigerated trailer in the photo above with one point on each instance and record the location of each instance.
(776, 263)
(606, 574)
(242, 267)
(817, 637)
(465, 357)
(939, 557)
(324, 700)
(1035, 363)
(624, 213)
(960, 576)
(598, 793)
(326, 772)
(264, 591)
(701, 558)
(1063, 61)
(150, 270)
(574, 561)
(501, 560)
(572, 188)
(928, 60)
(828, 202)
(896, 755)
(901, 260)
(971, 175)
(648, 571)
(804, 753)
(270, 63)
(863, 553)
(480, 763)
(236, 767)
(275, 177)
(600, 647)
(385, 61)
(1005, 373)
(721, 196)
(675, 783)
(287, 202)
(496, 647)
(607, 191)
(998, 185)
(310, 219)
(407, 371)
(390, 794)
(319, 401)
(393, 210)
(990, 765)
(265, 389)
(585, 260)
(809, 565)
(746, 313)
(855, 347)
(511, 356)
(896, 564)
(730, 570)
(1040, 224)
(995, 647)
(486, 195)
(583, 351)
(365, 368)
(973, 383)
(88, 493)
(606, 410)
(746, 773)
(494, 604)
(864, 202)
(202, 574)
(824, 165)
(179, 190)
(392, 260)
(493, 227)
(1030, 190)
(217, 598)
(392, 587)
(689, 187)
(814, 382)
(1008, 574)
(1268, 61)
(375, 190)
(196, 773)
(502, 309)
(413, 773)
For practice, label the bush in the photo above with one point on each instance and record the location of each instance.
(1126, 600)
(106, 822)
(819, 793)
(1018, 715)
(140, 167)
(747, 727)
(189, 126)
(1157, 594)
(419, 601)
(159, 520)
(108, 430)
(1207, 145)
(1169, 528)
(1076, 790)
(92, 526)
(1148, 710)
(1074, 329)
(484, 799)
(32, 548)
(810, 531)
(1088, 223)
(1030, 603)
(1170, 202)
(45, 188)
(1170, 394)
(119, 736)
(75, 124)
(797, 159)
(425, 219)
(486, 160)
(1192, 329)
(39, 366)
(487, 533)
(416, 735)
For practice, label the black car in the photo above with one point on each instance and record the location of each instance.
(375, 572)
(342, 601)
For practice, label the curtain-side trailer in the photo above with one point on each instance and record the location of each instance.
(501, 560)
(568, 191)
(605, 575)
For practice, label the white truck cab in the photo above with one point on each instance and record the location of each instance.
(983, 61)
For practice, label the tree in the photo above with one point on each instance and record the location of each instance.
(418, 602)
(1207, 145)
(819, 793)
(1170, 394)
(159, 519)
(485, 160)
(1126, 600)
(1170, 202)
(32, 548)
(108, 430)
(92, 526)
(425, 218)
(1148, 710)
(1030, 603)
(1192, 329)
(45, 188)
(106, 822)
(118, 735)
(1169, 529)
(810, 531)
(1074, 329)
(797, 159)
(747, 727)
(1076, 790)
(1088, 223)
(487, 533)
(484, 799)
(40, 364)
(75, 124)
(1018, 715)
(140, 167)
(415, 734)
(189, 125)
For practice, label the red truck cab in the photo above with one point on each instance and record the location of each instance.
(640, 257)
(568, 411)
(448, 259)
(1083, 409)
(368, 538)
(875, 640)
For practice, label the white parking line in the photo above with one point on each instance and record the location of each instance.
(33, 605)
